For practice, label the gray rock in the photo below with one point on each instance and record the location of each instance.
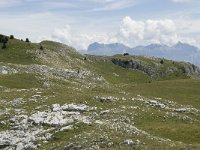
(155, 70)
(74, 107)
(46, 85)
(60, 115)
(70, 127)
(181, 110)
(4, 143)
(56, 107)
(129, 142)
(73, 146)
(5, 70)
(20, 146)
(17, 101)
(104, 99)
(156, 104)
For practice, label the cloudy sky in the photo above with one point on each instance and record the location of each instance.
(81, 22)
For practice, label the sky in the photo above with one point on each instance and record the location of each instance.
(79, 23)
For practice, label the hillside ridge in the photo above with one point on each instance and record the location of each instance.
(55, 98)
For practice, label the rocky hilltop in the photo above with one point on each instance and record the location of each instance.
(52, 97)
(180, 51)
(157, 68)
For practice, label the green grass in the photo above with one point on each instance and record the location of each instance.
(184, 91)
(115, 74)
(20, 81)
(119, 83)
(162, 72)
(19, 52)
(175, 130)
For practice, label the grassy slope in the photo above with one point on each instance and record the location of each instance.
(182, 91)
(20, 81)
(115, 74)
(163, 67)
(18, 52)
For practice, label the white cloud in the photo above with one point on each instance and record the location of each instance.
(159, 31)
(78, 40)
(164, 31)
(131, 33)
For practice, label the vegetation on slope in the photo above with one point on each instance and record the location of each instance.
(18, 52)
(165, 113)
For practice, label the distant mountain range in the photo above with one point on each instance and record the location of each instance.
(177, 52)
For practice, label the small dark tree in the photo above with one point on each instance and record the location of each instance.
(41, 47)
(1, 36)
(12, 37)
(162, 61)
(4, 46)
(6, 40)
(27, 40)
(85, 58)
(126, 54)
(3, 39)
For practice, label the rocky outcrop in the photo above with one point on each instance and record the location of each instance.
(61, 115)
(190, 69)
(4, 70)
(27, 130)
(156, 69)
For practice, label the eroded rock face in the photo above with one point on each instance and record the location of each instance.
(19, 138)
(154, 69)
(49, 118)
(5, 143)
(26, 130)
(61, 115)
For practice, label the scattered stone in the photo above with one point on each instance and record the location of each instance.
(73, 146)
(49, 118)
(155, 103)
(104, 112)
(74, 107)
(46, 85)
(94, 147)
(70, 127)
(4, 143)
(180, 110)
(17, 101)
(99, 122)
(61, 115)
(47, 136)
(20, 138)
(104, 99)
(5, 70)
(56, 107)
(130, 142)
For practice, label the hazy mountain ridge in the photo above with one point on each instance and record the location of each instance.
(177, 52)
